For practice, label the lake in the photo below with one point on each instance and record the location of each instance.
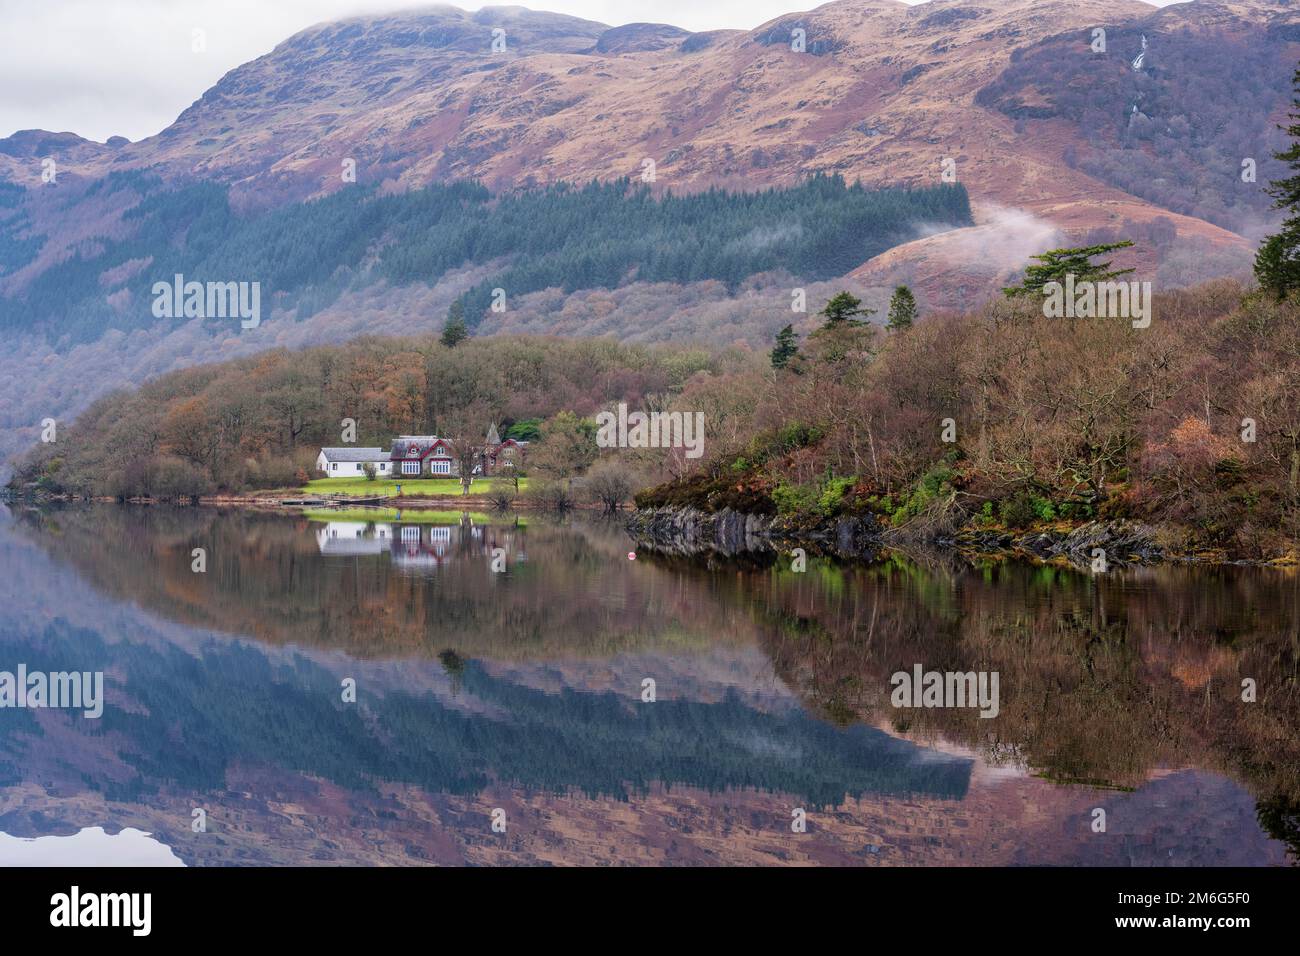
(448, 689)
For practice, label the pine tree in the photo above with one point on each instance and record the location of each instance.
(842, 306)
(455, 330)
(1055, 264)
(787, 347)
(1277, 264)
(902, 308)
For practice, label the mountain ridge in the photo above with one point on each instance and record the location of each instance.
(885, 92)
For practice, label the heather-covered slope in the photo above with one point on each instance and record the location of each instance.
(1010, 90)
(1054, 143)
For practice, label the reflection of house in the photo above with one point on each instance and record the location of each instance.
(354, 537)
(351, 462)
(417, 545)
(423, 545)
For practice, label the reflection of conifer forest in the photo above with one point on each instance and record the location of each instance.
(1103, 679)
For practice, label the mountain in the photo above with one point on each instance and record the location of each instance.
(884, 92)
(1010, 90)
(1053, 140)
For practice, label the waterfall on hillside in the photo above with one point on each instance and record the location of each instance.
(1137, 61)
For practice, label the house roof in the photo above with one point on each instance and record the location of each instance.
(415, 446)
(354, 454)
(411, 447)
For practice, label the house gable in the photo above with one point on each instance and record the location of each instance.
(411, 447)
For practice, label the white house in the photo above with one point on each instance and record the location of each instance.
(351, 462)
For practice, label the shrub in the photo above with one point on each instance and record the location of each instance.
(1018, 510)
(501, 494)
(176, 478)
(832, 494)
(773, 444)
(934, 484)
(550, 494)
(609, 483)
(711, 493)
(793, 498)
(272, 472)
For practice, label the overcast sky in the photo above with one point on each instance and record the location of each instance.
(104, 68)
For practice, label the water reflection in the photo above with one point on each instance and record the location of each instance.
(421, 547)
(92, 846)
(522, 689)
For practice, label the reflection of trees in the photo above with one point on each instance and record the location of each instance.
(1281, 820)
(1102, 678)
(567, 590)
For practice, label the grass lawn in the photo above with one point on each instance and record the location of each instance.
(412, 487)
(409, 516)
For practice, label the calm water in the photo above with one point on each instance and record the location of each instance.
(521, 691)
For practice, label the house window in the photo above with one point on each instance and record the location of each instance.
(440, 467)
(334, 466)
(410, 467)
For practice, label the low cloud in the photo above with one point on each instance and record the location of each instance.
(1003, 238)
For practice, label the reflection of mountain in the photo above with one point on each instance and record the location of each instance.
(1088, 665)
(587, 772)
(171, 718)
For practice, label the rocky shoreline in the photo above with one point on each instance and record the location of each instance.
(685, 531)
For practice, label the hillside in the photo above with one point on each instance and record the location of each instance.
(1052, 141)
(360, 262)
(884, 91)
(1188, 426)
(1010, 90)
